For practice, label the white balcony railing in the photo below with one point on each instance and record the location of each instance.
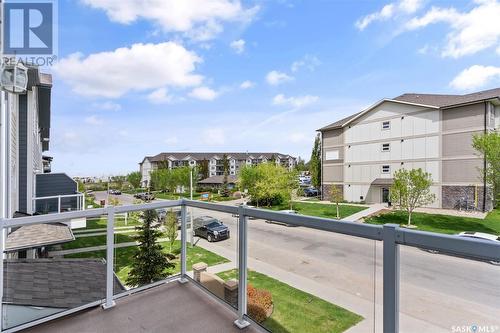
(59, 203)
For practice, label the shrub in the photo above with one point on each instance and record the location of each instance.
(259, 305)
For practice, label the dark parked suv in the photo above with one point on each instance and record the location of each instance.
(210, 228)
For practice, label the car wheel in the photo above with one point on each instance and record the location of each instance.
(210, 238)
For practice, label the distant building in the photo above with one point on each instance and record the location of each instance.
(213, 160)
(427, 131)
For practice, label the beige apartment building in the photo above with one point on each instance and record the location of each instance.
(360, 153)
(215, 162)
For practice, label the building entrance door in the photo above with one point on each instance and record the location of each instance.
(385, 194)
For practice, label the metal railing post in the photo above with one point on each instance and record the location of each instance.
(183, 243)
(391, 279)
(242, 269)
(110, 258)
(58, 203)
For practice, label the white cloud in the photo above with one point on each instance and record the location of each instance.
(93, 120)
(136, 68)
(198, 19)
(247, 84)
(295, 102)
(238, 46)
(470, 32)
(476, 76)
(309, 62)
(275, 78)
(204, 93)
(389, 11)
(213, 136)
(160, 96)
(107, 106)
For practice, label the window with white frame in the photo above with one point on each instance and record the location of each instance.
(386, 168)
(386, 147)
(332, 155)
(386, 125)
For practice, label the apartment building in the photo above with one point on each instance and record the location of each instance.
(214, 161)
(27, 186)
(360, 153)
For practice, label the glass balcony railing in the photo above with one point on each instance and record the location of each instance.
(283, 271)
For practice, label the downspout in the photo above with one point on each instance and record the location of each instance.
(484, 157)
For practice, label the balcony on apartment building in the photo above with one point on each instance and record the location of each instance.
(364, 278)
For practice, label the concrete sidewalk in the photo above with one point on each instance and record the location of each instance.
(370, 210)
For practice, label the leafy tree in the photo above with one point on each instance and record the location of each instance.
(301, 165)
(134, 178)
(336, 197)
(411, 189)
(171, 228)
(204, 171)
(268, 184)
(149, 263)
(315, 163)
(118, 180)
(488, 145)
(225, 186)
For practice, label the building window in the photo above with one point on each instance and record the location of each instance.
(386, 125)
(386, 168)
(332, 155)
(386, 147)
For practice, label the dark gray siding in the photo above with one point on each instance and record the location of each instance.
(23, 152)
(52, 184)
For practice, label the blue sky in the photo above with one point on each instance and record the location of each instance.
(136, 78)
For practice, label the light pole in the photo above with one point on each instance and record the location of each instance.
(191, 210)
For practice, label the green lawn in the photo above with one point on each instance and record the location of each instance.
(296, 310)
(124, 256)
(100, 223)
(321, 210)
(444, 224)
(96, 240)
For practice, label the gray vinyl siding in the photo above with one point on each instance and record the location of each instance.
(463, 117)
(463, 171)
(52, 184)
(23, 152)
(458, 144)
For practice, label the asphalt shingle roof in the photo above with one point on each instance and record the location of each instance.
(218, 180)
(448, 100)
(208, 156)
(38, 235)
(55, 283)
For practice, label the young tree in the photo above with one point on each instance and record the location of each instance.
(301, 165)
(315, 163)
(411, 189)
(134, 178)
(225, 186)
(336, 197)
(488, 145)
(171, 228)
(149, 262)
(118, 180)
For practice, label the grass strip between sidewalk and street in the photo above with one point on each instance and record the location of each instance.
(297, 311)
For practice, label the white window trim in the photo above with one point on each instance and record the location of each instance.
(385, 172)
(384, 128)
(382, 147)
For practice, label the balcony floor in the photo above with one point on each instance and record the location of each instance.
(173, 307)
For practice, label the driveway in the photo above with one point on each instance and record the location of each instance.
(437, 292)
